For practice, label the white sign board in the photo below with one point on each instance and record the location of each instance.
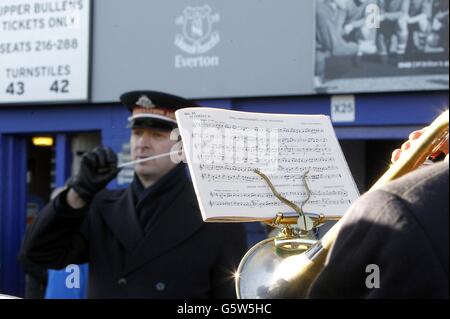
(343, 108)
(44, 50)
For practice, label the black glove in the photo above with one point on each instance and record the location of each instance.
(98, 167)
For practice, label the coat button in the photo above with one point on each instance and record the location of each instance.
(122, 282)
(160, 286)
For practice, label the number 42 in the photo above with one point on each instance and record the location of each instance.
(60, 86)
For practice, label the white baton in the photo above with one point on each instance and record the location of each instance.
(149, 158)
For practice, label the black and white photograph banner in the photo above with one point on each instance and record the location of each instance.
(395, 45)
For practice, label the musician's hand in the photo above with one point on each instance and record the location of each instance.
(396, 154)
(97, 169)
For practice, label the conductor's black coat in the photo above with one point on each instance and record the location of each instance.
(180, 256)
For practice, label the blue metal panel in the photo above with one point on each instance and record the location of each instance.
(414, 108)
(63, 159)
(375, 133)
(222, 104)
(12, 211)
(285, 105)
(33, 119)
(418, 108)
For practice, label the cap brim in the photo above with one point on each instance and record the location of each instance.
(151, 122)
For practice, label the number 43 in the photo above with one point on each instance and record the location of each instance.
(60, 86)
(17, 88)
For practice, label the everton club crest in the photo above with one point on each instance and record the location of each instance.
(197, 30)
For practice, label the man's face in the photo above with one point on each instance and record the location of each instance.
(145, 142)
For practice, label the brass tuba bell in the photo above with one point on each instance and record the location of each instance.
(262, 270)
(287, 265)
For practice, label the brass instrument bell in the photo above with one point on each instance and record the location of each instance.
(262, 270)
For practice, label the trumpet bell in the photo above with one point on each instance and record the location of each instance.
(262, 272)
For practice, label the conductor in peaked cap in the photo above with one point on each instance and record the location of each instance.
(145, 241)
(154, 109)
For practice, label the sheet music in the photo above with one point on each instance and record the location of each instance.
(223, 149)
